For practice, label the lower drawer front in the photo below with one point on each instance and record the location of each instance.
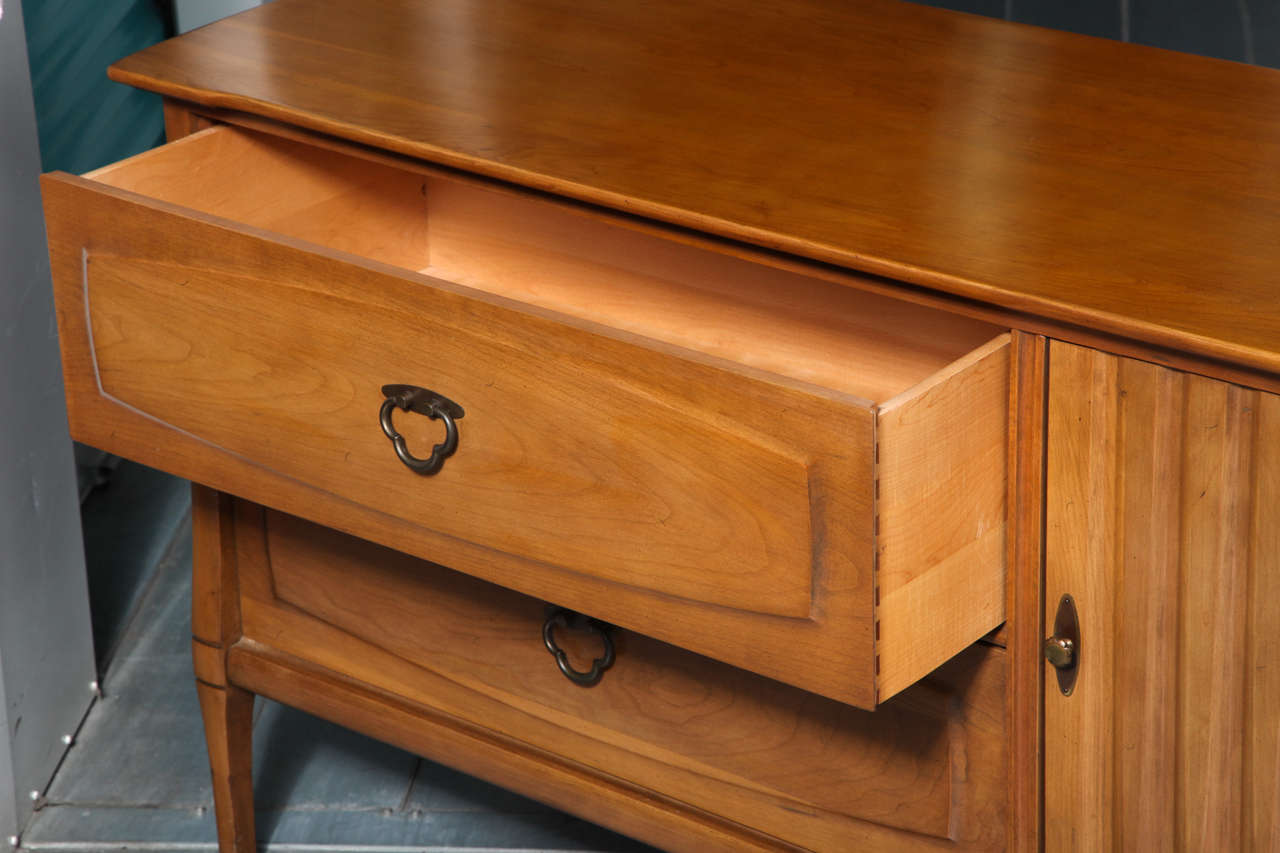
(926, 769)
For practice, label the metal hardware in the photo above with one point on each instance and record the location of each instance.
(569, 620)
(1062, 650)
(411, 398)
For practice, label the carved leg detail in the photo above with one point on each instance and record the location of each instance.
(228, 732)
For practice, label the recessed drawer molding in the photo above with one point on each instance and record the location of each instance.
(712, 738)
(558, 617)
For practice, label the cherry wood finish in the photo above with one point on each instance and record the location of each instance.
(534, 250)
(180, 121)
(385, 716)
(1164, 524)
(228, 728)
(227, 709)
(925, 771)
(998, 315)
(1121, 188)
(734, 495)
(1025, 627)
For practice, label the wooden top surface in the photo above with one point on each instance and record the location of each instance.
(1128, 189)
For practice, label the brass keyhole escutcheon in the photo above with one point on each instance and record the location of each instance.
(1062, 650)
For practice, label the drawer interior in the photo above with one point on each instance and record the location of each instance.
(567, 259)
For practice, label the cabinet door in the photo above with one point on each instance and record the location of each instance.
(1163, 523)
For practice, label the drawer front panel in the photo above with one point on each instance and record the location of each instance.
(562, 458)
(725, 510)
(922, 771)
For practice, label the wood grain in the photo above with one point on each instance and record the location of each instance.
(1147, 602)
(531, 250)
(226, 710)
(1262, 674)
(1217, 443)
(1080, 542)
(228, 727)
(453, 741)
(712, 503)
(790, 765)
(286, 188)
(209, 663)
(584, 451)
(1037, 170)
(942, 453)
(998, 316)
(1157, 482)
(1024, 628)
(215, 605)
(852, 341)
(180, 120)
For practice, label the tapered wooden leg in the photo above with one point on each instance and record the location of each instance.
(228, 733)
(215, 627)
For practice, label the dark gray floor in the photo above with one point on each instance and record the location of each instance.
(137, 779)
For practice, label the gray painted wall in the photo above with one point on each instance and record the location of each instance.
(46, 656)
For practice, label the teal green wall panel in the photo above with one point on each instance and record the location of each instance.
(84, 120)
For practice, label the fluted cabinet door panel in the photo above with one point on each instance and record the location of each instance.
(1262, 722)
(1163, 522)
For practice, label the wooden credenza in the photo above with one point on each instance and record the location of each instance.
(787, 371)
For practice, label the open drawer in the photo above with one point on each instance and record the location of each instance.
(782, 473)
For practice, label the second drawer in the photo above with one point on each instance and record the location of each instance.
(926, 770)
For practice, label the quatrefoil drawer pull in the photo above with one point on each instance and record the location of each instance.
(558, 617)
(411, 398)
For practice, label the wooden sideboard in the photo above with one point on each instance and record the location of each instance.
(795, 359)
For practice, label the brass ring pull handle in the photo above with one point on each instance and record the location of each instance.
(567, 619)
(411, 398)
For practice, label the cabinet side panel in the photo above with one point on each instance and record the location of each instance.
(1262, 674)
(943, 456)
(1163, 522)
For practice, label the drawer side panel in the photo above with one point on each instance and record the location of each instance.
(942, 484)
